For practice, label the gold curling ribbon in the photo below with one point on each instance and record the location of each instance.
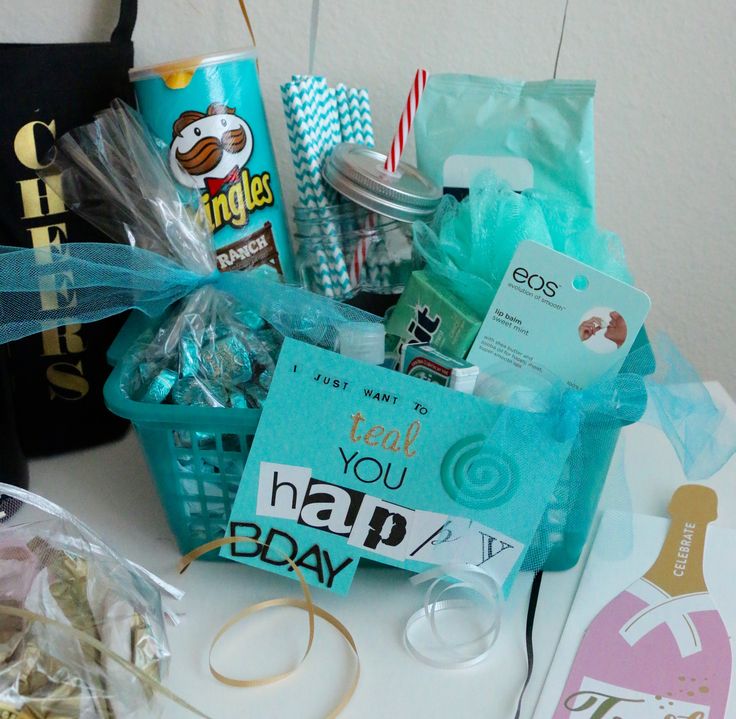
(305, 604)
(87, 640)
(247, 22)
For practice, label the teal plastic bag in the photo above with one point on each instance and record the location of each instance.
(532, 134)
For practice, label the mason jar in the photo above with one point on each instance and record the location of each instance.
(344, 251)
(362, 245)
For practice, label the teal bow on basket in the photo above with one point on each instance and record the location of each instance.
(83, 282)
(547, 431)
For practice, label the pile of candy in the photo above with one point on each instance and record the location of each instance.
(211, 353)
(54, 568)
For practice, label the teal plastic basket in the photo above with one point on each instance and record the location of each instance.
(566, 524)
(196, 454)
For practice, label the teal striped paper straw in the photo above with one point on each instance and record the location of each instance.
(325, 123)
(347, 129)
(306, 169)
(323, 274)
(366, 117)
(303, 145)
(360, 113)
(310, 109)
(318, 118)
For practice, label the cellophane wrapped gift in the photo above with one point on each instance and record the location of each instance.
(217, 347)
(54, 569)
(210, 352)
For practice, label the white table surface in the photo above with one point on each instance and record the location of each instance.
(110, 488)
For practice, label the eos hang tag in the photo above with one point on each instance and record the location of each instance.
(555, 314)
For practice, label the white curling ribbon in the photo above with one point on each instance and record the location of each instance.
(674, 612)
(450, 653)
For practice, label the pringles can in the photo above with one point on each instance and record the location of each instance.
(209, 111)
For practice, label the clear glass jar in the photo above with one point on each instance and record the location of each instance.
(344, 250)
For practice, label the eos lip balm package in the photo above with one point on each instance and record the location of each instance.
(209, 111)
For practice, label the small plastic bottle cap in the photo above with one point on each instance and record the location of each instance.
(363, 341)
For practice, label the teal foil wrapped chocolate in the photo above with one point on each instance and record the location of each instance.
(201, 355)
(238, 400)
(192, 392)
(227, 359)
(250, 319)
(209, 112)
(160, 387)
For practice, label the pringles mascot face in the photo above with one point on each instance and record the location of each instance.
(209, 150)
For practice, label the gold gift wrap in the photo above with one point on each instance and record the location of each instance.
(47, 673)
(8, 712)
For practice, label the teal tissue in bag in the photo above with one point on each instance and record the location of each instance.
(469, 245)
(532, 134)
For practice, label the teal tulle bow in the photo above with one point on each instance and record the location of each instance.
(82, 282)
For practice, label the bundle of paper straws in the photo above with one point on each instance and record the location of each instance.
(318, 118)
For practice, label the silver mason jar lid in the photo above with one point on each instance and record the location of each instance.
(356, 171)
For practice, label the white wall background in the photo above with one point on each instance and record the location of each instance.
(666, 106)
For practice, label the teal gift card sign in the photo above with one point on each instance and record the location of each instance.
(352, 460)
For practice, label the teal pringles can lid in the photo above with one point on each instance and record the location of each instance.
(209, 111)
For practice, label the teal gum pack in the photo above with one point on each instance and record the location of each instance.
(555, 314)
(352, 460)
(209, 112)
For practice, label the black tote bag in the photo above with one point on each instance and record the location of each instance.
(46, 90)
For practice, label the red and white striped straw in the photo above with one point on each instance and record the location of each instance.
(367, 237)
(407, 118)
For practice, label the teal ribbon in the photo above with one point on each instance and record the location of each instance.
(620, 399)
(82, 282)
